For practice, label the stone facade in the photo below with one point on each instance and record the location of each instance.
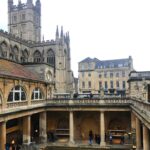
(139, 85)
(50, 59)
(110, 75)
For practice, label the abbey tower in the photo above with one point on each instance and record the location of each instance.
(24, 20)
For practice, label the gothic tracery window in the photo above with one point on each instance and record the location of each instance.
(4, 49)
(16, 53)
(37, 56)
(17, 94)
(51, 57)
(25, 56)
(37, 94)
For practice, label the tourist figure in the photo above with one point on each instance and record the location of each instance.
(90, 137)
(110, 138)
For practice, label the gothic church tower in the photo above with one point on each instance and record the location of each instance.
(24, 20)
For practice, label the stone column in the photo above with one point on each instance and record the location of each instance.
(27, 129)
(138, 134)
(146, 139)
(43, 127)
(2, 135)
(71, 127)
(102, 129)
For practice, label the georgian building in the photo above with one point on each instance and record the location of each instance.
(110, 75)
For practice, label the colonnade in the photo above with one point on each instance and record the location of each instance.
(141, 131)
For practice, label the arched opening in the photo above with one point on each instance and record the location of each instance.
(37, 56)
(25, 56)
(16, 53)
(17, 94)
(37, 94)
(51, 57)
(3, 49)
(49, 76)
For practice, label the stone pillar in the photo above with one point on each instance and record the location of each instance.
(138, 134)
(102, 129)
(43, 127)
(71, 128)
(27, 129)
(146, 139)
(2, 135)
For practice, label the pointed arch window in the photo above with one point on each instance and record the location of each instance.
(51, 57)
(37, 56)
(25, 56)
(17, 94)
(37, 94)
(16, 53)
(4, 49)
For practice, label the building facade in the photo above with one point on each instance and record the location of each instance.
(50, 59)
(109, 76)
(31, 72)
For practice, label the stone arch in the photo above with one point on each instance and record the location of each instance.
(49, 75)
(17, 93)
(4, 49)
(88, 123)
(15, 51)
(37, 56)
(25, 55)
(51, 57)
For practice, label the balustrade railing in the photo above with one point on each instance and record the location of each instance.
(35, 102)
(17, 104)
(142, 106)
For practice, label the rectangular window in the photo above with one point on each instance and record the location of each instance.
(100, 85)
(89, 74)
(83, 84)
(148, 92)
(100, 75)
(117, 84)
(117, 74)
(89, 83)
(111, 84)
(111, 75)
(14, 18)
(123, 84)
(23, 16)
(106, 86)
(105, 74)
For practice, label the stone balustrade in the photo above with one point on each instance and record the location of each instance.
(35, 102)
(18, 104)
(141, 107)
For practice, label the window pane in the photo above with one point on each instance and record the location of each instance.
(36, 96)
(17, 96)
(23, 96)
(10, 97)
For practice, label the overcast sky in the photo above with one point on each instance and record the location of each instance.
(105, 29)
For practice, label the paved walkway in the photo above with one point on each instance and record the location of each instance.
(81, 146)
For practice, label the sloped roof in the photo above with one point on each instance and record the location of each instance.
(88, 59)
(12, 69)
(115, 63)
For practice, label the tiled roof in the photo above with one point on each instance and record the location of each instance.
(88, 60)
(8, 68)
(113, 63)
